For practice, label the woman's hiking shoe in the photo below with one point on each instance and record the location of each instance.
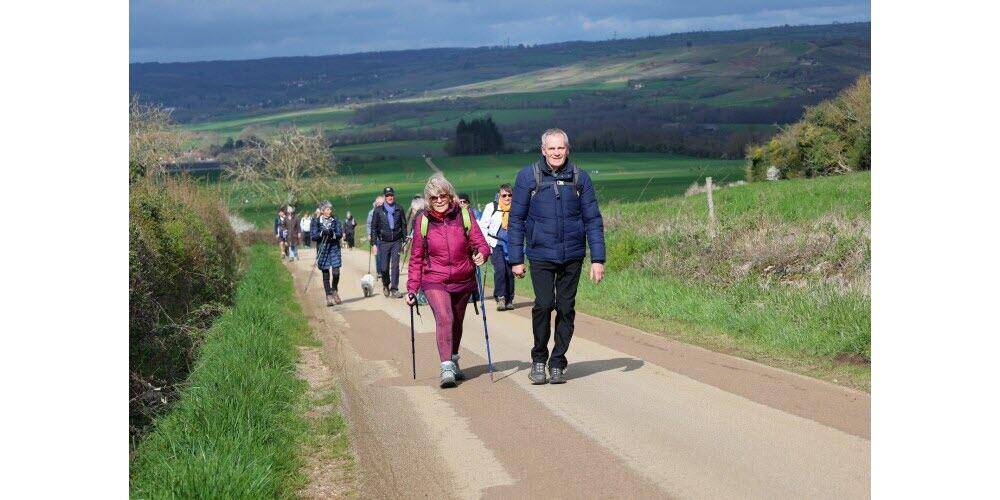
(501, 304)
(459, 375)
(448, 369)
(537, 374)
(510, 304)
(329, 300)
(556, 375)
(336, 298)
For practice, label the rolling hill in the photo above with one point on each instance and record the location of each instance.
(202, 90)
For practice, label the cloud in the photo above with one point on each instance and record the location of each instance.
(185, 30)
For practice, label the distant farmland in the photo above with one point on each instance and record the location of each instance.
(617, 176)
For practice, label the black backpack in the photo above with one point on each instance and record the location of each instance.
(540, 185)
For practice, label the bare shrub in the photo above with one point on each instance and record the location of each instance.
(153, 140)
(290, 167)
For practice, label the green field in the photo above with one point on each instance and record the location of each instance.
(617, 176)
(389, 149)
(335, 119)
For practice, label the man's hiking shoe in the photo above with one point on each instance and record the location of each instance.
(556, 375)
(459, 375)
(501, 304)
(336, 298)
(385, 290)
(510, 305)
(329, 300)
(537, 374)
(396, 294)
(448, 369)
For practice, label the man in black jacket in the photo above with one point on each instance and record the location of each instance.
(389, 233)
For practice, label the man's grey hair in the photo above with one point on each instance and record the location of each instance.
(555, 131)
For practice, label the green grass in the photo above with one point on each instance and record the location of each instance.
(237, 428)
(391, 148)
(322, 118)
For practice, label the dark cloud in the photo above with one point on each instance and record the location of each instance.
(178, 30)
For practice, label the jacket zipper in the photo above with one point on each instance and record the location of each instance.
(561, 216)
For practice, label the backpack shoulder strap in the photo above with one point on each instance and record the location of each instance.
(538, 178)
(466, 221)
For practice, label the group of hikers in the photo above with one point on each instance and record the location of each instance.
(548, 218)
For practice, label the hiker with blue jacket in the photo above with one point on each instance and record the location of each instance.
(388, 231)
(553, 217)
(327, 231)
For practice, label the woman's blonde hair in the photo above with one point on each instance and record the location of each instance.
(438, 185)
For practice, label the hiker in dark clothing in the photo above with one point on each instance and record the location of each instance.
(350, 223)
(292, 231)
(327, 232)
(554, 213)
(389, 232)
(279, 232)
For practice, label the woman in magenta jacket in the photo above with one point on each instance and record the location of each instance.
(444, 265)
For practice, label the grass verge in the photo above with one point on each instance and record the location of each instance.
(239, 425)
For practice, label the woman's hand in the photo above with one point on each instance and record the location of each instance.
(478, 258)
(411, 299)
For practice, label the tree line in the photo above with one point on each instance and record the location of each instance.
(479, 136)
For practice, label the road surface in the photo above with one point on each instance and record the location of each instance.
(640, 417)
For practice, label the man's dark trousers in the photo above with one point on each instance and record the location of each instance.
(388, 262)
(555, 288)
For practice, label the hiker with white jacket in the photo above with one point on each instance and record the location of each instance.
(494, 223)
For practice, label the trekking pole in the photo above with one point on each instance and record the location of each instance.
(413, 341)
(486, 331)
(315, 265)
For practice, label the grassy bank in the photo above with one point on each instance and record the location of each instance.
(785, 281)
(238, 428)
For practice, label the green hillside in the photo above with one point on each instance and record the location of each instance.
(202, 90)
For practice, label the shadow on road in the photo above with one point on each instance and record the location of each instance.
(585, 368)
(500, 369)
(576, 370)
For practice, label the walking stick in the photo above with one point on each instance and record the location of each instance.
(314, 266)
(486, 331)
(413, 342)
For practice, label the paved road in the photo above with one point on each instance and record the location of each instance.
(640, 417)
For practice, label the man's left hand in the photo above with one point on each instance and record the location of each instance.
(596, 272)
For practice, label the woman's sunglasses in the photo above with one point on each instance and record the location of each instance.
(505, 195)
(441, 197)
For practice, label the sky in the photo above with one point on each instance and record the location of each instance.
(184, 30)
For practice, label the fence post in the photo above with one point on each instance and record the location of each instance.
(711, 208)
